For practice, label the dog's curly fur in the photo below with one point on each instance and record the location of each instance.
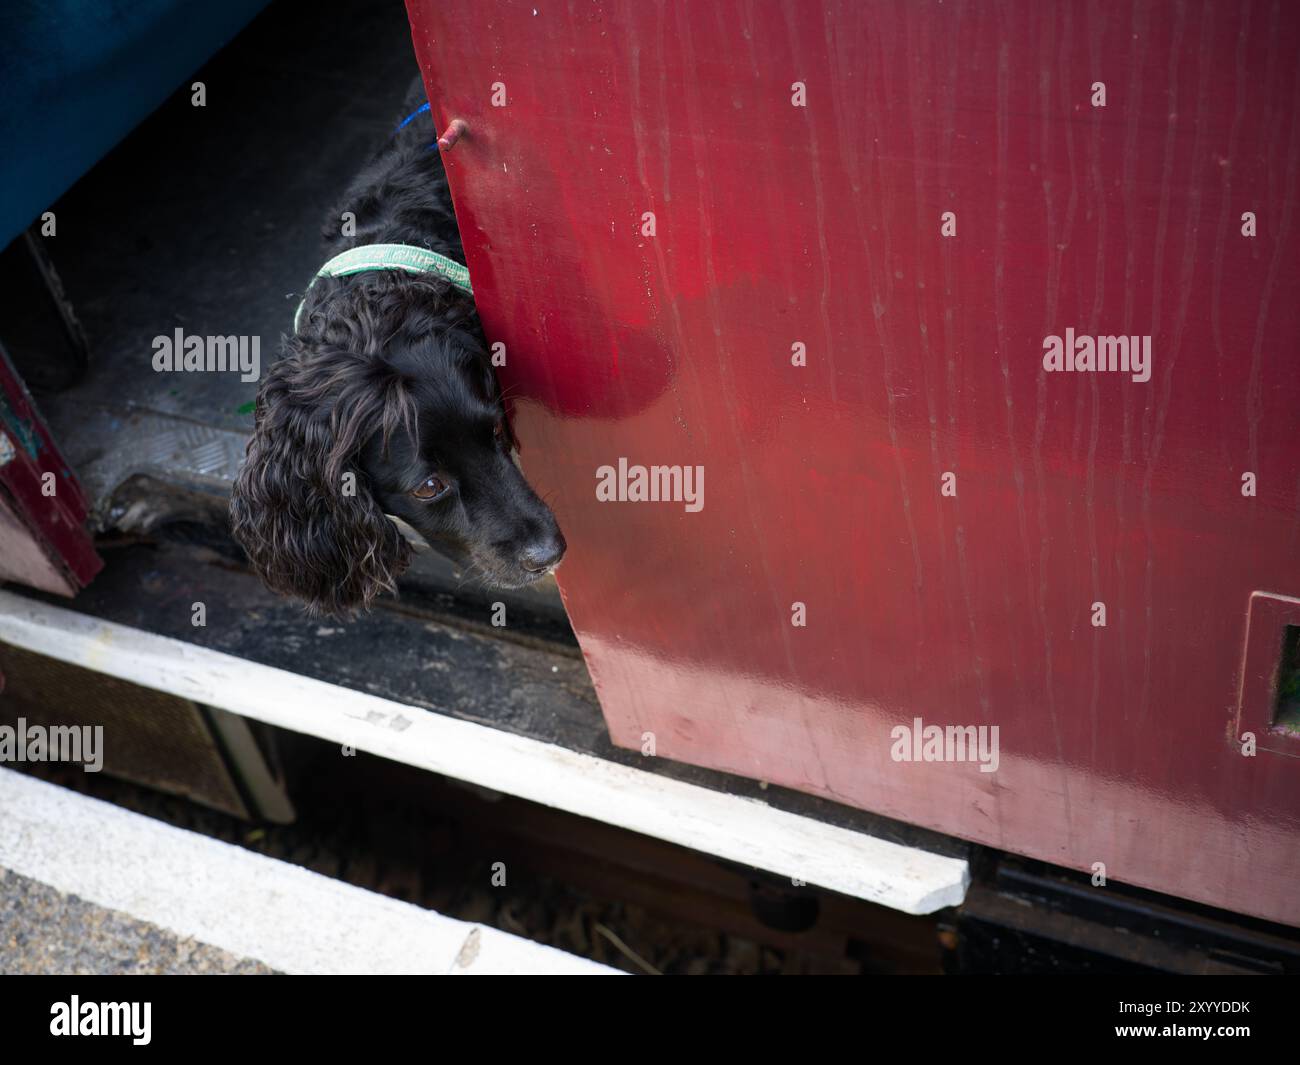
(291, 511)
(382, 363)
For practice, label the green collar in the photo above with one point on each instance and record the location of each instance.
(406, 257)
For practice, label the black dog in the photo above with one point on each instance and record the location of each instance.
(385, 402)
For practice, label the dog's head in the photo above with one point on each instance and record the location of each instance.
(380, 408)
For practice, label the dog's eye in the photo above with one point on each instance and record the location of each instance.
(432, 488)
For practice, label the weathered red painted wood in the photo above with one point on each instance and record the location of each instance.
(43, 539)
(820, 225)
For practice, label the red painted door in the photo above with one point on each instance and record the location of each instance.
(820, 251)
(43, 540)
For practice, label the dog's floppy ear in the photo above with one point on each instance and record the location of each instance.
(301, 506)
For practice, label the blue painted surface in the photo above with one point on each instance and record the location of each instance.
(76, 76)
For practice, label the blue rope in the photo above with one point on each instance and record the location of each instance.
(409, 119)
(412, 117)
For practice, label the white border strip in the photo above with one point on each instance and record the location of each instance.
(248, 904)
(728, 826)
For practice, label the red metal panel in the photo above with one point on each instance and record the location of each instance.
(43, 540)
(821, 225)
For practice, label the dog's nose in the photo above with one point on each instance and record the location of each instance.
(542, 555)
